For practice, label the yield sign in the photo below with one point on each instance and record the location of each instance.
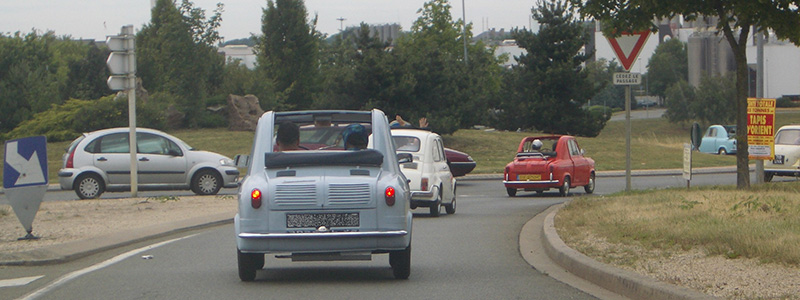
(627, 47)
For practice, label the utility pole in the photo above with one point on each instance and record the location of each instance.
(464, 32)
(341, 23)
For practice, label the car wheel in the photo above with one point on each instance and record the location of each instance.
(451, 208)
(401, 263)
(722, 151)
(89, 186)
(768, 176)
(206, 182)
(437, 205)
(511, 192)
(249, 263)
(563, 190)
(589, 188)
(539, 192)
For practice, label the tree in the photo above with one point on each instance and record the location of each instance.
(30, 77)
(174, 57)
(287, 51)
(87, 76)
(434, 80)
(735, 19)
(551, 88)
(668, 65)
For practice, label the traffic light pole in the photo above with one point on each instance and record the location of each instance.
(122, 64)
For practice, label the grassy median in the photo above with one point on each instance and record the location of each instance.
(758, 223)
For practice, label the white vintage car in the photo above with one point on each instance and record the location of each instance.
(787, 154)
(325, 203)
(432, 183)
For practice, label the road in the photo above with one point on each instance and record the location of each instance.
(470, 255)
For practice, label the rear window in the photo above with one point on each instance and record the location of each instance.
(788, 137)
(75, 143)
(406, 143)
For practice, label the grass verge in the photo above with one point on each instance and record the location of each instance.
(759, 223)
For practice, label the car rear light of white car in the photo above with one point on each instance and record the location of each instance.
(424, 184)
(70, 164)
(255, 198)
(389, 196)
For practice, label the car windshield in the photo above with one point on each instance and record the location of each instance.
(788, 137)
(406, 143)
(548, 146)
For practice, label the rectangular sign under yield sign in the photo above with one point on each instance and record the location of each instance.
(625, 78)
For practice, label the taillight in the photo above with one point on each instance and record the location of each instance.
(389, 195)
(424, 184)
(255, 198)
(70, 164)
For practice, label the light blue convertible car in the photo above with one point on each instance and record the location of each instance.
(322, 202)
(719, 139)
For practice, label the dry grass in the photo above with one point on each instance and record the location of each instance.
(760, 223)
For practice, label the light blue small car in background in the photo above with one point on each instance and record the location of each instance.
(719, 139)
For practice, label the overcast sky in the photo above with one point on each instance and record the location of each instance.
(95, 19)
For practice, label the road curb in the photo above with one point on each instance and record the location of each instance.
(622, 282)
(60, 253)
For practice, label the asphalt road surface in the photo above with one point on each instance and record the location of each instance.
(470, 255)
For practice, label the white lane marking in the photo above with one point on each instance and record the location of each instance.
(75, 274)
(18, 281)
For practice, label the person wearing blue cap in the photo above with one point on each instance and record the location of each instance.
(355, 137)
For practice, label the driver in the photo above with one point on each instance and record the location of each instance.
(288, 138)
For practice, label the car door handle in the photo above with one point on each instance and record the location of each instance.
(144, 159)
(102, 159)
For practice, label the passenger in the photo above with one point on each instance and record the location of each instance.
(536, 145)
(355, 137)
(288, 138)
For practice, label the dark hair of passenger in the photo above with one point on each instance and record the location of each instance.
(288, 133)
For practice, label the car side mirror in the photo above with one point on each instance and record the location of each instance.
(174, 152)
(404, 158)
(241, 160)
(583, 152)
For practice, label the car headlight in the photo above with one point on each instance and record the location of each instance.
(226, 162)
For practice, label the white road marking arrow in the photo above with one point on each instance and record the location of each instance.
(30, 172)
(18, 281)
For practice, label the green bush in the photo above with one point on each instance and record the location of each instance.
(66, 121)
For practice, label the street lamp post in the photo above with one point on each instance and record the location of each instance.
(464, 32)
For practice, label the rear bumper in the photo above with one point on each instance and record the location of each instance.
(531, 184)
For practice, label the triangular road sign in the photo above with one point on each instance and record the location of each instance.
(627, 47)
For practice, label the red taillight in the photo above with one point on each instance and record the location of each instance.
(70, 164)
(389, 195)
(424, 184)
(255, 198)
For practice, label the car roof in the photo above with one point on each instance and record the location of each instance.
(789, 127)
(420, 133)
(124, 129)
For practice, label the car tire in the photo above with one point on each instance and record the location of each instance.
(722, 151)
(563, 190)
(589, 188)
(249, 263)
(401, 263)
(436, 207)
(89, 186)
(511, 192)
(768, 176)
(451, 208)
(206, 182)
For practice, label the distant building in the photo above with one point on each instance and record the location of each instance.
(243, 54)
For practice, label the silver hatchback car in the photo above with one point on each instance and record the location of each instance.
(100, 161)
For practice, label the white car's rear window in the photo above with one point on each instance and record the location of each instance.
(788, 137)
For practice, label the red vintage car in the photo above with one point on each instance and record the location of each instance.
(545, 162)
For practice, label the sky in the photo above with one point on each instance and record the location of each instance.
(96, 19)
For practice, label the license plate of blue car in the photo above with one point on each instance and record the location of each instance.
(315, 220)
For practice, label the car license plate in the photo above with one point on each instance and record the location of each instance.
(778, 159)
(315, 220)
(530, 177)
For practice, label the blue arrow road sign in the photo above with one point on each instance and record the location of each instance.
(25, 162)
